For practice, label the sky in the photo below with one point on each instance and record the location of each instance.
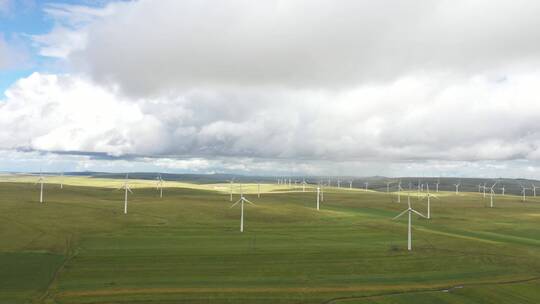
(277, 87)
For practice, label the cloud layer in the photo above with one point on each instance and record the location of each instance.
(286, 81)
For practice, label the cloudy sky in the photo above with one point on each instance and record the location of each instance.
(339, 87)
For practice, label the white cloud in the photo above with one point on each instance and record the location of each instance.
(149, 47)
(391, 84)
(414, 118)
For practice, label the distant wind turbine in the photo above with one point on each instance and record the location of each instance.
(242, 200)
(399, 189)
(62, 180)
(524, 194)
(429, 196)
(126, 188)
(492, 193)
(366, 184)
(534, 189)
(40, 180)
(318, 197)
(410, 211)
(502, 189)
(159, 185)
(457, 187)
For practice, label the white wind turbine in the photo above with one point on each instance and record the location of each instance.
(484, 187)
(429, 196)
(366, 184)
(492, 193)
(457, 187)
(242, 200)
(437, 185)
(40, 180)
(62, 180)
(502, 189)
(304, 185)
(339, 183)
(350, 185)
(410, 211)
(534, 189)
(258, 190)
(388, 187)
(231, 189)
(126, 188)
(399, 189)
(318, 196)
(159, 185)
(524, 194)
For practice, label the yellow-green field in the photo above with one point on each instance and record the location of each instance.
(79, 247)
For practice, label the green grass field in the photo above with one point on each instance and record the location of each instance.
(79, 247)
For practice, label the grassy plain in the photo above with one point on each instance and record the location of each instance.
(79, 247)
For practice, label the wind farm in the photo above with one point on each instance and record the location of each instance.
(460, 254)
(269, 152)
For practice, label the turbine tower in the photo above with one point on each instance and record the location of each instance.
(502, 189)
(126, 188)
(40, 180)
(159, 185)
(399, 189)
(492, 193)
(410, 211)
(242, 200)
(534, 189)
(318, 196)
(366, 184)
(457, 187)
(62, 180)
(523, 193)
(429, 196)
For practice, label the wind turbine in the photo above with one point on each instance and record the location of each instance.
(437, 185)
(62, 180)
(388, 187)
(492, 193)
(524, 195)
(241, 201)
(258, 190)
(339, 183)
(502, 188)
(231, 190)
(534, 189)
(429, 196)
(399, 192)
(410, 211)
(322, 193)
(350, 185)
(126, 188)
(484, 187)
(457, 187)
(304, 185)
(318, 196)
(40, 180)
(159, 185)
(366, 184)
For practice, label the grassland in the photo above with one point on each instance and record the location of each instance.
(79, 247)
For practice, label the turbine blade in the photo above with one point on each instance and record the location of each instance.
(402, 213)
(238, 201)
(418, 213)
(249, 202)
